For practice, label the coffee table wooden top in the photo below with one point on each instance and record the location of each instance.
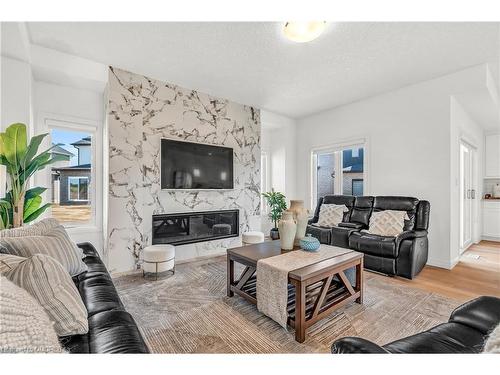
(250, 254)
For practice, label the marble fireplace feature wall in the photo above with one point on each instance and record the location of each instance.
(141, 111)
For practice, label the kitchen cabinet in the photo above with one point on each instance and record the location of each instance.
(492, 156)
(491, 219)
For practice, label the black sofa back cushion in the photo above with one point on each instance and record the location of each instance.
(408, 204)
(362, 210)
(339, 200)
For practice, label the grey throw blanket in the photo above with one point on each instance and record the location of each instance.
(272, 278)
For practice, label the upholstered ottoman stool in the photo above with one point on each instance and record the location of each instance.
(249, 238)
(157, 259)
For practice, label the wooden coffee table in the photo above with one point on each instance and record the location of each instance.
(313, 292)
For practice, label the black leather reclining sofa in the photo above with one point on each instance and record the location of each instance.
(404, 255)
(111, 328)
(465, 332)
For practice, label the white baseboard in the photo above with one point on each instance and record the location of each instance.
(446, 264)
(490, 238)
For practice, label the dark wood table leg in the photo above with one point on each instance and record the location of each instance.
(300, 311)
(230, 276)
(359, 281)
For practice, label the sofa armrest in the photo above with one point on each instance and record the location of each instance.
(88, 249)
(351, 225)
(349, 345)
(482, 314)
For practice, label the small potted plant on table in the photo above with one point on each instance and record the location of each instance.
(277, 204)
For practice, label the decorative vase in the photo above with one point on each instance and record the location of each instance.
(301, 216)
(309, 243)
(275, 234)
(287, 227)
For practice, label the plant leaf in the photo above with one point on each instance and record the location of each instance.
(31, 205)
(33, 147)
(14, 143)
(31, 193)
(37, 213)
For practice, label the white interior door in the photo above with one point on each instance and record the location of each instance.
(467, 194)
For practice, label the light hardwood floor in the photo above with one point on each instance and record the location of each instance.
(470, 278)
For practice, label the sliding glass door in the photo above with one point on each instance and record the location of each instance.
(338, 171)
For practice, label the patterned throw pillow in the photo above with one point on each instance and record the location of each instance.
(45, 279)
(492, 344)
(331, 215)
(45, 237)
(24, 325)
(387, 223)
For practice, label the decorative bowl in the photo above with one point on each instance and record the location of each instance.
(309, 243)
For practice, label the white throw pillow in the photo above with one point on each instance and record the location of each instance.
(331, 215)
(45, 237)
(387, 223)
(492, 344)
(48, 282)
(24, 325)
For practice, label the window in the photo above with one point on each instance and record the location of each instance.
(78, 188)
(71, 181)
(338, 170)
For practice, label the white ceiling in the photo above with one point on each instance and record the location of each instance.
(252, 63)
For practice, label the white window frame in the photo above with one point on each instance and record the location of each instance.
(46, 122)
(69, 188)
(337, 148)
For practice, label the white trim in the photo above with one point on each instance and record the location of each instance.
(333, 148)
(48, 120)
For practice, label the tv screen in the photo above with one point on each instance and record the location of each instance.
(187, 165)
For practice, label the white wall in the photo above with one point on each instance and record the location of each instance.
(279, 142)
(16, 100)
(463, 127)
(82, 106)
(408, 150)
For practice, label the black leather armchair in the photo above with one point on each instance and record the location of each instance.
(465, 332)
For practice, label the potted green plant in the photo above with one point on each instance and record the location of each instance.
(277, 204)
(21, 205)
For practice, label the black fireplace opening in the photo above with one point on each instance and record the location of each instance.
(191, 227)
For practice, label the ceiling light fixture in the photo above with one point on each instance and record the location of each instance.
(302, 32)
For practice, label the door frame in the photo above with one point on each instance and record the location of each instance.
(463, 141)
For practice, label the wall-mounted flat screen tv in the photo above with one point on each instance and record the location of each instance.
(187, 165)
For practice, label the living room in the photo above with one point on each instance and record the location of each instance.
(263, 187)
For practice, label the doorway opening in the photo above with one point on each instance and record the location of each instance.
(467, 194)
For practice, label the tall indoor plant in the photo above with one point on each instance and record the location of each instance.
(277, 204)
(22, 205)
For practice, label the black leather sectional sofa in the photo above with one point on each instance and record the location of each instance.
(404, 255)
(111, 328)
(465, 332)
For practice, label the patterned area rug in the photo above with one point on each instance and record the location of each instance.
(190, 313)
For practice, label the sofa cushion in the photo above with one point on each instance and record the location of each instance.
(49, 283)
(387, 223)
(381, 246)
(24, 325)
(323, 235)
(340, 236)
(45, 237)
(331, 214)
(362, 210)
(109, 332)
(408, 204)
(444, 338)
(99, 294)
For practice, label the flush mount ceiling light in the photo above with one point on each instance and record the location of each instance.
(302, 32)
